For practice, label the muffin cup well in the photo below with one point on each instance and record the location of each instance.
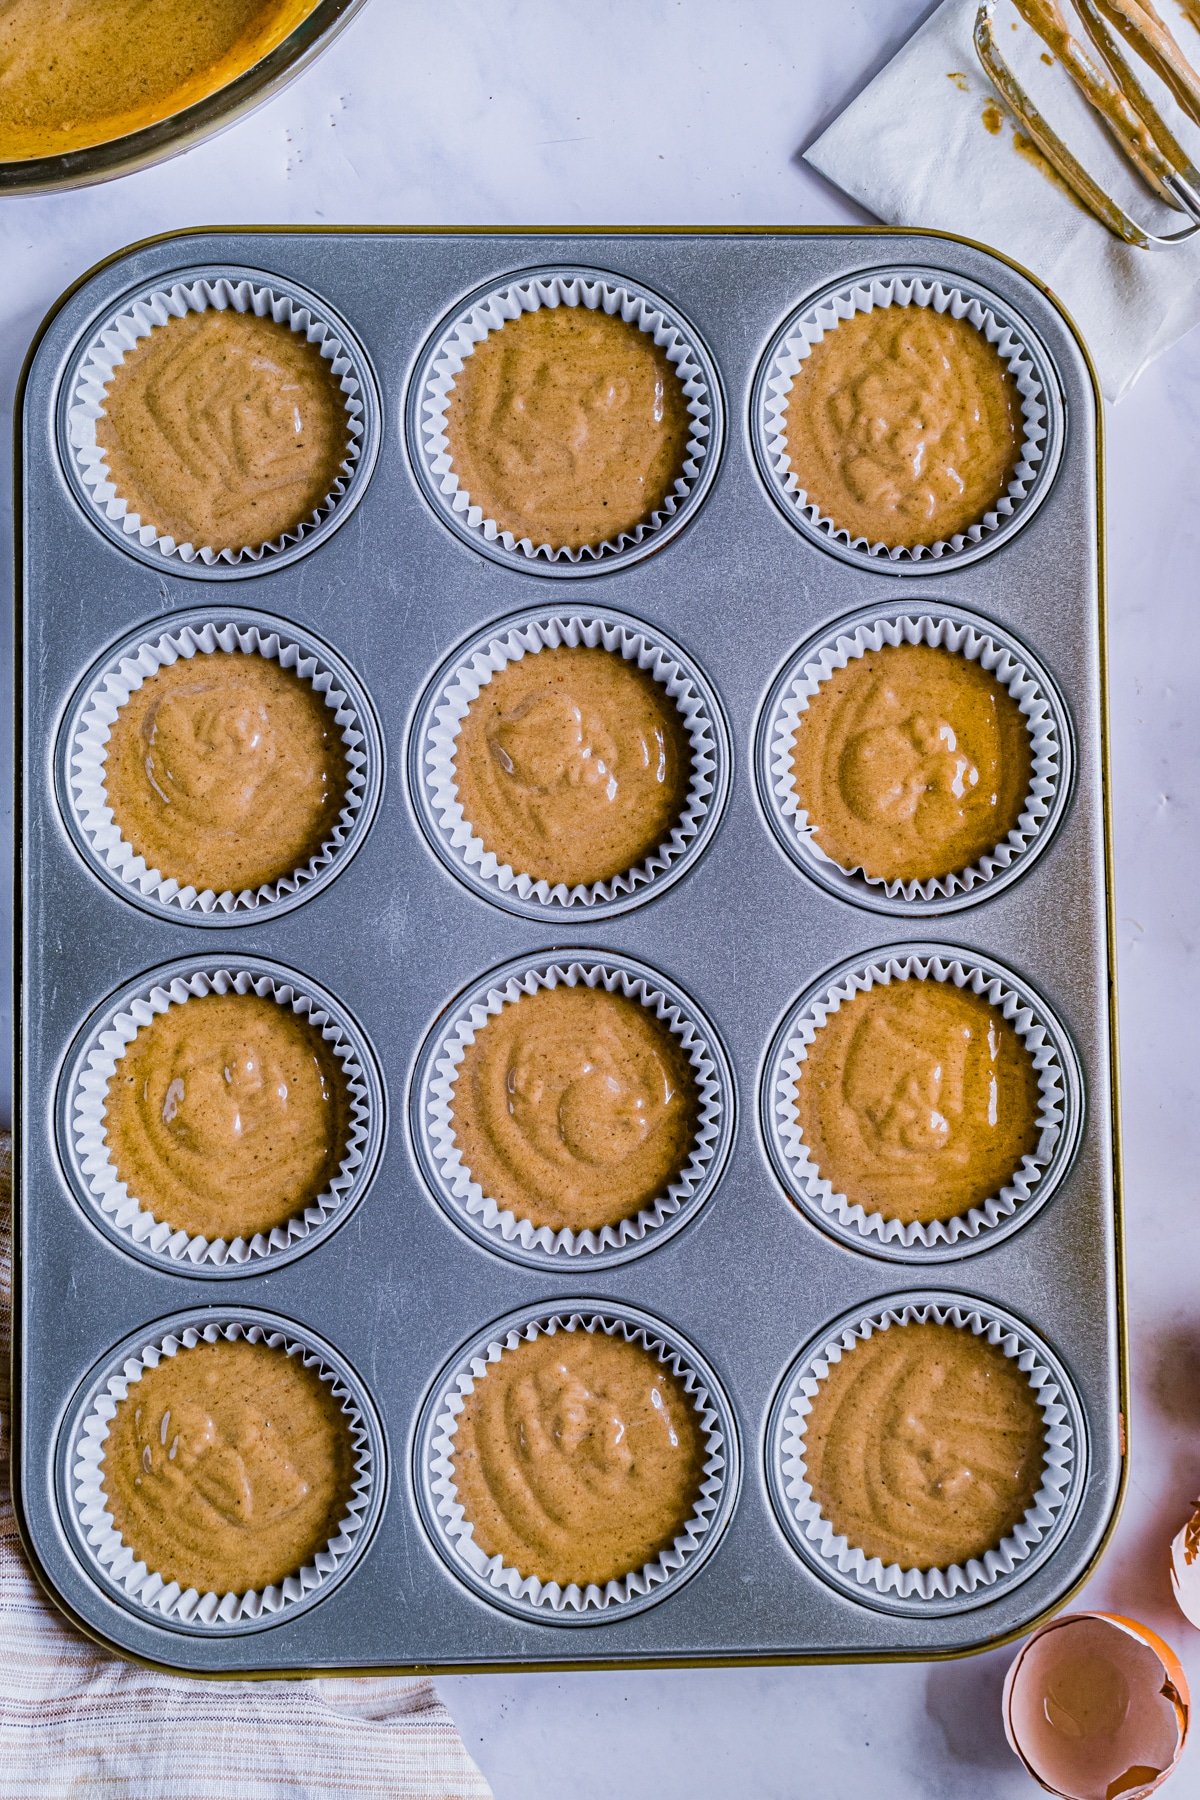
(547, 1602)
(113, 1564)
(1060, 1114)
(460, 680)
(81, 1103)
(488, 310)
(953, 629)
(499, 1229)
(958, 1587)
(1018, 348)
(196, 291)
(83, 747)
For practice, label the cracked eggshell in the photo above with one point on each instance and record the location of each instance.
(1096, 1707)
(1185, 1568)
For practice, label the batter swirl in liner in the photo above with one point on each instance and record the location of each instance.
(911, 762)
(574, 1108)
(224, 430)
(225, 771)
(568, 426)
(578, 1457)
(917, 1100)
(572, 765)
(228, 1466)
(227, 1115)
(903, 426)
(925, 1445)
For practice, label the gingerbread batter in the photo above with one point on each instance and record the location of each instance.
(225, 771)
(577, 1457)
(74, 73)
(925, 1445)
(568, 426)
(918, 1100)
(574, 1107)
(227, 1115)
(572, 765)
(224, 430)
(228, 1466)
(903, 425)
(911, 762)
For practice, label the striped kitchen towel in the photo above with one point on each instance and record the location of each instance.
(76, 1721)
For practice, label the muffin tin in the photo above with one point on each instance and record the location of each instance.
(403, 1283)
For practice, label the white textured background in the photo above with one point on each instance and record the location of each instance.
(598, 112)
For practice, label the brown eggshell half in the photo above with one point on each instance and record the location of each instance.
(1185, 1569)
(1096, 1707)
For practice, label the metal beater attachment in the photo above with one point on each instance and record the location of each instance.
(1103, 72)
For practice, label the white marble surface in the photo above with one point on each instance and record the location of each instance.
(693, 111)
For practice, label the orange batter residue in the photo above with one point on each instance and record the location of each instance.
(74, 73)
(225, 771)
(228, 1466)
(224, 430)
(925, 1445)
(574, 1107)
(227, 1115)
(911, 762)
(572, 765)
(568, 426)
(918, 1100)
(903, 425)
(577, 1457)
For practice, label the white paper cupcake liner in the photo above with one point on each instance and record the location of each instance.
(113, 1563)
(1018, 348)
(548, 1602)
(196, 291)
(488, 311)
(82, 1110)
(460, 681)
(1059, 1121)
(498, 1228)
(83, 751)
(961, 1586)
(943, 627)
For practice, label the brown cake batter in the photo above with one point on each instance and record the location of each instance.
(918, 1100)
(567, 426)
(228, 1467)
(925, 1446)
(911, 762)
(578, 1457)
(225, 771)
(572, 765)
(224, 430)
(903, 425)
(226, 1115)
(574, 1107)
(78, 72)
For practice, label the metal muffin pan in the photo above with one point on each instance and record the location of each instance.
(398, 1290)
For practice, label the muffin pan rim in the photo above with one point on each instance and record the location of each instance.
(309, 537)
(489, 1237)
